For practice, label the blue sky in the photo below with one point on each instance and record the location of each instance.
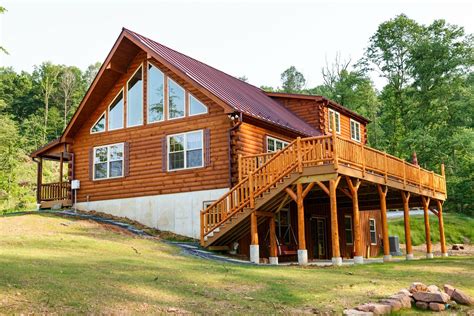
(258, 39)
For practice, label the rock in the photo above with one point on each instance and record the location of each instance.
(417, 287)
(462, 298)
(433, 288)
(350, 312)
(437, 307)
(431, 297)
(470, 312)
(395, 305)
(448, 289)
(404, 300)
(376, 308)
(455, 247)
(405, 292)
(422, 305)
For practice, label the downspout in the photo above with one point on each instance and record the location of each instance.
(233, 128)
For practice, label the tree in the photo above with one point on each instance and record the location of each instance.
(293, 81)
(2, 11)
(67, 84)
(90, 73)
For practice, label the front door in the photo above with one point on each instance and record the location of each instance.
(318, 232)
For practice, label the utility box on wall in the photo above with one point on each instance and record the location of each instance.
(394, 246)
(75, 184)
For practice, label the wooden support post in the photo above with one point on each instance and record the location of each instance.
(302, 252)
(39, 180)
(358, 255)
(254, 248)
(383, 214)
(406, 219)
(334, 142)
(240, 166)
(426, 204)
(442, 238)
(299, 152)
(273, 243)
(336, 253)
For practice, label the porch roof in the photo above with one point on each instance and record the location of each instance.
(52, 151)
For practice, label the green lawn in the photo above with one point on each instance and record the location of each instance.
(458, 228)
(58, 265)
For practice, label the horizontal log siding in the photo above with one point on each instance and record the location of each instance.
(345, 126)
(146, 176)
(309, 110)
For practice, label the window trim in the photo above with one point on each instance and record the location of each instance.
(104, 114)
(338, 122)
(168, 118)
(185, 150)
(190, 95)
(375, 231)
(358, 125)
(108, 161)
(352, 230)
(165, 101)
(284, 143)
(143, 99)
(123, 114)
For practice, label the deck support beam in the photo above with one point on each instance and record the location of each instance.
(426, 203)
(302, 252)
(336, 252)
(254, 248)
(442, 238)
(354, 187)
(273, 258)
(39, 180)
(406, 220)
(383, 215)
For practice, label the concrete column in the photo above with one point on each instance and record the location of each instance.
(254, 254)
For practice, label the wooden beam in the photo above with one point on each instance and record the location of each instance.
(323, 187)
(308, 188)
(273, 242)
(291, 194)
(355, 215)
(336, 253)
(300, 204)
(442, 238)
(383, 215)
(61, 166)
(426, 204)
(39, 180)
(116, 68)
(283, 203)
(406, 220)
(264, 214)
(253, 229)
(347, 193)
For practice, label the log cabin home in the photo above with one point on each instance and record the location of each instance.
(175, 144)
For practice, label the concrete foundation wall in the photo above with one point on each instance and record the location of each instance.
(177, 212)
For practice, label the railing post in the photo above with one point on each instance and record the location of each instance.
(385, 167)
(362, 155)
(251, 190)
(334, 140)
(443, 174)
(240, 167)
(202, 227)
(419, 177)
(404, 175)
(432, 182)
(299, 156)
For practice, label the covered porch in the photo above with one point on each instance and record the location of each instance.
(54, 174)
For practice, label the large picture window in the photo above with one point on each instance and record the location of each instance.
(108, 161)
(355, 130)
(274, 144)
(135, 99)
(175, 100)
(156, 93)
(185, 150)
(373, 231)
(116, 112)
(338, 120)
(348, 229)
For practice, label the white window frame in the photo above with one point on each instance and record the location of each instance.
(185, 150)
(165, 102)
(143, 96)
(189, 105)
(352, 229)
(108, 161)
(374, 231)
(123, 110)
(338, 120)
(168, 100)
(356, 132)
(284, 143)
(97, 121)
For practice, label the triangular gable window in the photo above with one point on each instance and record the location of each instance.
(99, 126)
(195, 106)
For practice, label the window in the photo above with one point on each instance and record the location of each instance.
(135, 99)
(108, 161)
(348, 229)
(283, 225)
(185, 150)
(355, 130)
(206, 204)
(156, 92)
(274, 144)
(175, 100)
(338, 120)
(116, 112)
(195, 106)
(373, 232)
(99, 126)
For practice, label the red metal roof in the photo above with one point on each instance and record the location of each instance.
(241, 96)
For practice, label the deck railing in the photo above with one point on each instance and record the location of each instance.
(259, 173)
(55, 191)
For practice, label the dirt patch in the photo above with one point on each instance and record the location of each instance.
(436, 249)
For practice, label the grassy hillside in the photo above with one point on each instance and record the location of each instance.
(63, 266)
(458, 229)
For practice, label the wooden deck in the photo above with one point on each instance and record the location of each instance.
(264, 177)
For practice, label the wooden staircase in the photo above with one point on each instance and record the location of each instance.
(263, 179)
